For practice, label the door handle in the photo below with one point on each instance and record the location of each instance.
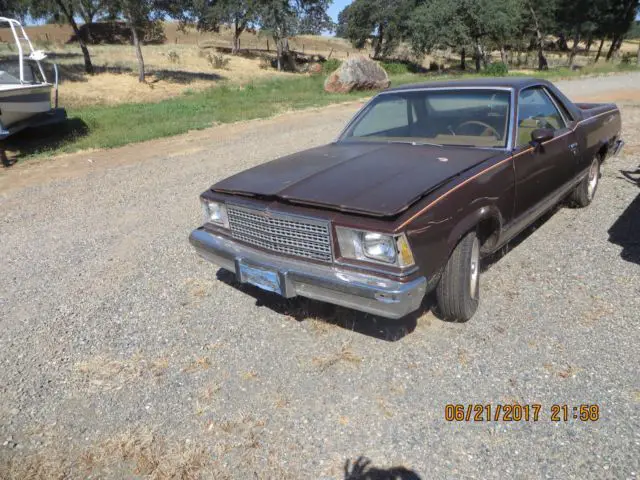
(574, 149)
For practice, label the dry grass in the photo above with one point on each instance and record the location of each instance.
(108, 373)
(197, 365)
(144, 454)
(251, 375)
(129, 455)
(344, 355)
(200, 287)
(117, 82)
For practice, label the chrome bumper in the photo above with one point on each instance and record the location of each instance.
(617, 148)
(367, 293)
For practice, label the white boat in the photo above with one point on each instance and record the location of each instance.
(25, 91)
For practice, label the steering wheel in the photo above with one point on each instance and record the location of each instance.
(487, 128)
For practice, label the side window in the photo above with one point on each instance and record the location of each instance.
(536, 110)
(387, 118)
(563, 109)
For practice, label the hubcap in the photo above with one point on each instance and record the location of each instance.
(594, 174)
(475, 269)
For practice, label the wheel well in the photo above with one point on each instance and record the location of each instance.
(602, 153)
(488, 231)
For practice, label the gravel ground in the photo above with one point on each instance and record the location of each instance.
(122, 354)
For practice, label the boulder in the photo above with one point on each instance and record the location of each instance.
(315, 68)
(357, 73)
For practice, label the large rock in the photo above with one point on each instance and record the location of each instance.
(357, 73)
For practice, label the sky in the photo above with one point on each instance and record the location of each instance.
(337, 7)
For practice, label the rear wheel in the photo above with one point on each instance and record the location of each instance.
(584, 193)
(458, 292)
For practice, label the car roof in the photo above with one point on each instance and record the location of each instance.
(516, 83)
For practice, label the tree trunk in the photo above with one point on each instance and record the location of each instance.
(238, 28)
(542, 61)
(463, 59)
(138, 48)
(612, 49)
(279, 52)
(478, 55)
(378, 46)
(574, 50)
(503, 55)
(562, 42)
(589, 43)
(599, 50)
(88, 66)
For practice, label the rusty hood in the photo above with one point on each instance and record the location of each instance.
(368, 178)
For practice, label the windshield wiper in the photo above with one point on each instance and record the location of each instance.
(406, 142)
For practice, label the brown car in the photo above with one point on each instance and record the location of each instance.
(422, 183)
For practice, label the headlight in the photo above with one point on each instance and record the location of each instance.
(215, 212)
(373, 246)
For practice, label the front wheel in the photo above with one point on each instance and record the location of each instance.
(583, 194)
(458, 292)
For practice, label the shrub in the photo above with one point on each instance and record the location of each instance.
(497, 69)
(627, 58)
(395, 68)
(331, 66)
(265, 63)
(218, 61)
(173, 56)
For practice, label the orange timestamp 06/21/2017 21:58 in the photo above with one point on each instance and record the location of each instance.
(534, 412)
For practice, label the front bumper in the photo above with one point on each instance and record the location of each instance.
(617, 148)
(364, 292)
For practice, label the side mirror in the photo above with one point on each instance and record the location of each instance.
(541, 135)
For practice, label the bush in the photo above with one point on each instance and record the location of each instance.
(265, 63)
(627, 58)
(218, 61)
(331, 66)
(395, 68)
(497, 69)
(173, 56)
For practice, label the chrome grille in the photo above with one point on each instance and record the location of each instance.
(286, 234)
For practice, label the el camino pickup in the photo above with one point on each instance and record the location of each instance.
(423, 182)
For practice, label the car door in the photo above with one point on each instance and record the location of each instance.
(544, 170)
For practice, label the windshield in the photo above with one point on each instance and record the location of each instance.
(471, 118)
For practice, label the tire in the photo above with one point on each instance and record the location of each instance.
(458, 292)
(584, 193)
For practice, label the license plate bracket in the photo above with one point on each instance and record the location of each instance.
(262, 278)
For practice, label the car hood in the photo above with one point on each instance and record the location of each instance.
(369, 178)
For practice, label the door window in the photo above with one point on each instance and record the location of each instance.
(536, 110)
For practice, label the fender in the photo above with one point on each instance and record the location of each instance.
(489, 211)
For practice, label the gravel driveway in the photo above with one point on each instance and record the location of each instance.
(122, 354)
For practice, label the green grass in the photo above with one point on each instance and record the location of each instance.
(113, 126)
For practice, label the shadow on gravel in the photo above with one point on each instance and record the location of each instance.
(625, 232)
(303, 309)
(31, 141)
(632, 176)
(361, 469)
(494, 258)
